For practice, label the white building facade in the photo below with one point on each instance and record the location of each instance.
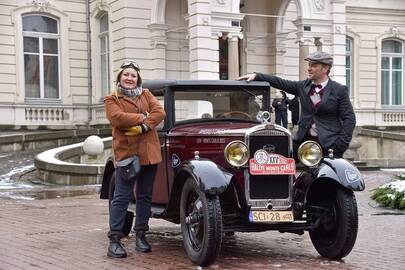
(58, 58)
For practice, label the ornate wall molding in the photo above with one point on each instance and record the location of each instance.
(319, 5)
(40, 5)
(205, 20)
(158, 35)
(217, 34)
(395, 31)
(100, 9)
(234, 36)
(303, 41)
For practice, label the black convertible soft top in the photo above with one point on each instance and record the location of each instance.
(159, 84)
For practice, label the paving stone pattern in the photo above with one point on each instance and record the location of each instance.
(70, 233)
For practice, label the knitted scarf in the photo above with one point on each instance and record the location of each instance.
(131, 93)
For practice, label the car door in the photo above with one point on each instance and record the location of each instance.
(160, 193)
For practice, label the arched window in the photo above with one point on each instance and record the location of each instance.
(349, 65)
(41, 56)
(104, 55)
(392, 72)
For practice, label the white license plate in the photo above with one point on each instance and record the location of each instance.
(271, 216)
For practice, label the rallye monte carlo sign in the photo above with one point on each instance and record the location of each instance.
(264, 163)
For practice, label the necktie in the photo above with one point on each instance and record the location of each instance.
(316, 86)
(315, 95)
(316, 100)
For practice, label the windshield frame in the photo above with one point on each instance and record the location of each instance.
(247, 89)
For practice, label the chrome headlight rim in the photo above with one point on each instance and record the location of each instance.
(318, 153)
(245, 153)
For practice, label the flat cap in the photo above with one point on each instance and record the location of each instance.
(320, 57)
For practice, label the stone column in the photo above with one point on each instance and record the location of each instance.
(233, 56)
(304, 44)
(280, 52)
(338, 13)
(203, 59)
(158, 43)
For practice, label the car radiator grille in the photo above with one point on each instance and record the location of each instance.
(269, 186)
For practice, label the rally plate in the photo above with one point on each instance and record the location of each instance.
(264, 163)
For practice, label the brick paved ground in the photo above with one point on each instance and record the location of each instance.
(70, 233)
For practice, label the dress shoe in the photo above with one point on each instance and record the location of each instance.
(115, 248)
(141, 244)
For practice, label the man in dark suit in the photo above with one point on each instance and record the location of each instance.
(294, 107)
(280, 104)
(327, 115)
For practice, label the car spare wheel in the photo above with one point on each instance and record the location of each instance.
(129, 217)
(201, 223)
(336, 234)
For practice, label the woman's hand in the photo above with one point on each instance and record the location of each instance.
(137, 130)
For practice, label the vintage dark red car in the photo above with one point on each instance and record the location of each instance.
(226, 168)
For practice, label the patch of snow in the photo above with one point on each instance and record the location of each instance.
(394, 170)
(4, 186)
(397, 185)
(5, 178)
(16, 197)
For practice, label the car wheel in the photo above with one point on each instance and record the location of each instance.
(129, 217)
(336, 234)
(201, 224)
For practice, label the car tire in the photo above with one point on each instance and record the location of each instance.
(129, 217)
(336, 234)
(202, 237)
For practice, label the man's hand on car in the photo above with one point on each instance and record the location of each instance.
(247, 77)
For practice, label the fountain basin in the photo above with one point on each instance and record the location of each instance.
(69, 165)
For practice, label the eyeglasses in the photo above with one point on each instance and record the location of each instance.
(130, 63)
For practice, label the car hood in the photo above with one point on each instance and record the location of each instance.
(204, 129)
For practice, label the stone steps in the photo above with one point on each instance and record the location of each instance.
(363, 166)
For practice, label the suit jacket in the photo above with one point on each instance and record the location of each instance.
(334, 118)
(124, 112)
(294, 107)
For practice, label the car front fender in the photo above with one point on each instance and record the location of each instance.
(342, 171)
(108, 172)
(211, 178)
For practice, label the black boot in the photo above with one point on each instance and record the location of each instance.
(141, 244)
(115, 249)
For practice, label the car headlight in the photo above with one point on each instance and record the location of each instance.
(310, 153)
(236, 153)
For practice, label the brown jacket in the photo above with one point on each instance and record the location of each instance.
(124, 112)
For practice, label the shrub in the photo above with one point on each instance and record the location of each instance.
(391, 194)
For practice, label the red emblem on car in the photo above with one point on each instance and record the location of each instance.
(264, 163)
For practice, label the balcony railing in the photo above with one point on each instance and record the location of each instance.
(44, 114)
(393, 117)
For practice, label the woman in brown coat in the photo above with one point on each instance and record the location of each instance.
(133, 113)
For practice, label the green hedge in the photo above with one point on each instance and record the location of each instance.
(388, 196)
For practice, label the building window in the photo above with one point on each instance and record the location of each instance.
(392, 72)
(223, 59)
(41, 56)
(349, 65)
(104, 55)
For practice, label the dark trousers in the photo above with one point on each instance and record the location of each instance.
(281, 116)
(123, 194)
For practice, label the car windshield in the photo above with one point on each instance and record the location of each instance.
(242, 104)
